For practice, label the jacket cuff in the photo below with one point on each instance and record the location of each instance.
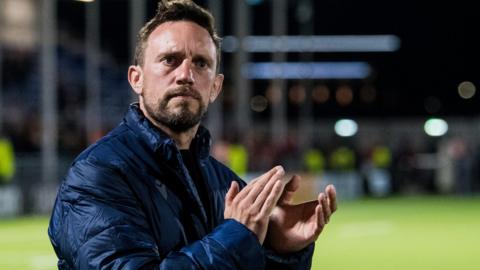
(297, 260)
(242, 244)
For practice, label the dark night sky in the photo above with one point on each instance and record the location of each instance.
(439, 45)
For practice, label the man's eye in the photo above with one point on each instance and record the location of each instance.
(169, 60)
(201, 63)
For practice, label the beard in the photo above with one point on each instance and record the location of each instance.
(179, 121)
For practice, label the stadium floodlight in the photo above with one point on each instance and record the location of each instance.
(346, 127)
(306, 70)
(435, 127)
(324, 43)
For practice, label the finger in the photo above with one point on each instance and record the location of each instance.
(250, 195)
(290, 190)
(326, 209)
(268, 191)
(244, 192)
(320, 218)
(232, 192)
(272, 199)
(332, 197)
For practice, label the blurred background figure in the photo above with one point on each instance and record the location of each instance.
(7, 161)
(342, 164)
(376, 169)
(456, 173)
(10, 195)
(314, 161)
(233, 155)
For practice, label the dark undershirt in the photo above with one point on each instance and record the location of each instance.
(192, 166)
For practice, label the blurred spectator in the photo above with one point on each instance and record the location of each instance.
(233, 155)
(314, 161)
(456, 171)
(220, 151)
(381, 157)
(261, 151)
(376, 170)
(342, 163)
(238, 158)
(459, 153)
(7, 161)
(404, 170)
(287, 152)
(476, 170)
(342, 159)
(444, 175)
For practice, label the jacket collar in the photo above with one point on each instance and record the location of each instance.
(158, 141)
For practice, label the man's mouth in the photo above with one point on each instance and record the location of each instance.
(184, 94)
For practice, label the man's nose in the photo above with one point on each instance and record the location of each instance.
(185, 73)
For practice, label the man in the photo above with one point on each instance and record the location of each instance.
(149, 195)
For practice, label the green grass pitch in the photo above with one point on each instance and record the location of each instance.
(400, 233)
(403, 233)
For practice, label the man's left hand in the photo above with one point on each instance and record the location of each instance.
(294, 227)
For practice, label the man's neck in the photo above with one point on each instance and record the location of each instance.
(182, 139)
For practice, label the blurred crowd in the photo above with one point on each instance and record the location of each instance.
(450, 166)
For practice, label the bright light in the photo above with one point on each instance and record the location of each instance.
(306, 70)
(258, 103)
(344, 95)
(466, 90)
(324, 43)
(346, 128)
(320, 94)
(435, 127)
(297, 94)
(17, 23)
(85, 1)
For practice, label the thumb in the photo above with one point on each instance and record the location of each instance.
(290, 189)
(232, 192)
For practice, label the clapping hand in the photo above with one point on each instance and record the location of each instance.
(253, 205)
(294, 227)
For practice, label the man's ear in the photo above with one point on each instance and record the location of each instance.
(135, 78)
(217, 87)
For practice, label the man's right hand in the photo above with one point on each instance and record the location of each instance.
(253, 205)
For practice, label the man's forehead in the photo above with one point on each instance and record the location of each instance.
(179, 34)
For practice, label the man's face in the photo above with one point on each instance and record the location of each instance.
(178, 78)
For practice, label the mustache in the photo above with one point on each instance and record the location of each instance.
(182, 91)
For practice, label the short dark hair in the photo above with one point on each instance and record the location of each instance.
(177, 10)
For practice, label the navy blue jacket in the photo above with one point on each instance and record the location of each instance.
(128, 202)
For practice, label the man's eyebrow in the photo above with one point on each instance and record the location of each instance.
(202, 57)
(161, 55)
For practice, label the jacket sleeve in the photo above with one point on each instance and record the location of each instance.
(300, 260)
(97, 223)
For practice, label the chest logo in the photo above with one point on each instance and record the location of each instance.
(162, 188)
